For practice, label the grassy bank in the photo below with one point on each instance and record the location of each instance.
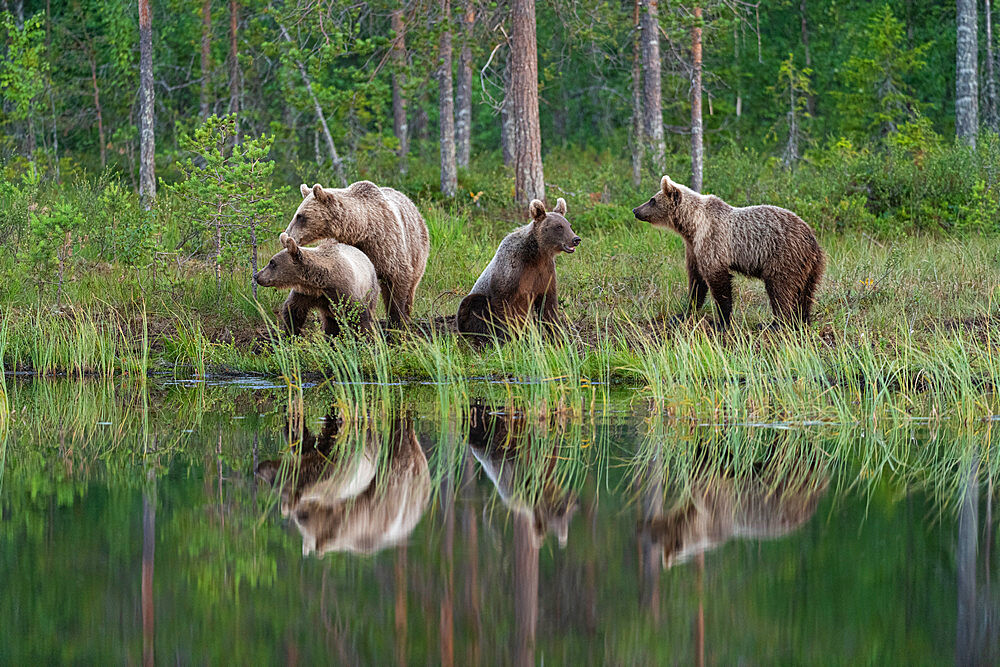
(904, 321)
(909, 325)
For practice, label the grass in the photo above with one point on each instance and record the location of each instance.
(903, 326)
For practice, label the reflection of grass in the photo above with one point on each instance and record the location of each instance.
(899, 458)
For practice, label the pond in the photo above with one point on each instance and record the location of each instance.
(187, 523)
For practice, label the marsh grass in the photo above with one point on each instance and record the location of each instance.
(903, 327)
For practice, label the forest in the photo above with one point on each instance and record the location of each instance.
(151, 153)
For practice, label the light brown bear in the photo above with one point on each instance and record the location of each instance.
(382, 223)
(520, 280)
(333, 278)
(765, 242)
(353, 489)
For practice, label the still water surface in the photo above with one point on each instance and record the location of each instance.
(228, 528)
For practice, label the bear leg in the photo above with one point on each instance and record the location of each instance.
(721, 286)
(330, 319)
(295, 312)
(475, 317)
(808, 293)
(784, 299)
(697, 287)
(396, 306)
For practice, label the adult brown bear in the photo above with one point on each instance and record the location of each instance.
(520, 280)
(765, 242)
(382, 223)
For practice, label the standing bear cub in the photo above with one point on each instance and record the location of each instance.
(335, 279)
(520, 280)
(765, 242)
(380, 222)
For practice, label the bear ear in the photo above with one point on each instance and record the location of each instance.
(667, 185)
(560, 206)
(536, 210)
(305, 190)
(319, 192)
(292, 247)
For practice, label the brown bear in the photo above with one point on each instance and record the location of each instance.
(765, 242)
(333, 278)
(521, 278)
(353, 489)
(382, 223)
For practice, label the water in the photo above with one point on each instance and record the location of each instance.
(175, 526)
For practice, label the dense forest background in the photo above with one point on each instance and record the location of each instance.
(178, 130)
(787, 80)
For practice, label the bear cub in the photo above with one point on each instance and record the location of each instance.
(765, 242)
(520, 280)
(333, 278)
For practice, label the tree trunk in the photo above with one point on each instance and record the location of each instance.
(966, 72)
(206, 55)
(147, 143)
(636, 97)
(811, 100)
(463, 96)
(338, 166)
(234, 65)
(991, 82)
(651, 96)
(449, 182)
(529, 181)
(506, 119)
(399, 126)
(697, 147)
(792, 145)
(97, 108)
(525, 587)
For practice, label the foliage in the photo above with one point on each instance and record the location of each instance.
(877, 95)
(225, 194)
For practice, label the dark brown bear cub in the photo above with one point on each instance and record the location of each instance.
(520, 281)
(333, 278)
(765, 242)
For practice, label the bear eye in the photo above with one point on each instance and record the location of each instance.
(652, 200)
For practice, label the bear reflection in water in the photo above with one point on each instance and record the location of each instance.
(718, 507)
(521, 469)
(354, 490)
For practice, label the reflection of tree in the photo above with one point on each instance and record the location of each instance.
(973, 622)
(148, 553)
(525, 588)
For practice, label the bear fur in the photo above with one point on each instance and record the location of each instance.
(333, 278)
(352, 490)
(765, 242)
(520, 280)
(380, 222)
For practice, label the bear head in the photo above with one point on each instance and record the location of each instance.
(664, 208)
(332, 214)
(286, 269)
(552, 228)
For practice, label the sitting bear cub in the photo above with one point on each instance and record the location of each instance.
(521, 278)
(336, 279)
